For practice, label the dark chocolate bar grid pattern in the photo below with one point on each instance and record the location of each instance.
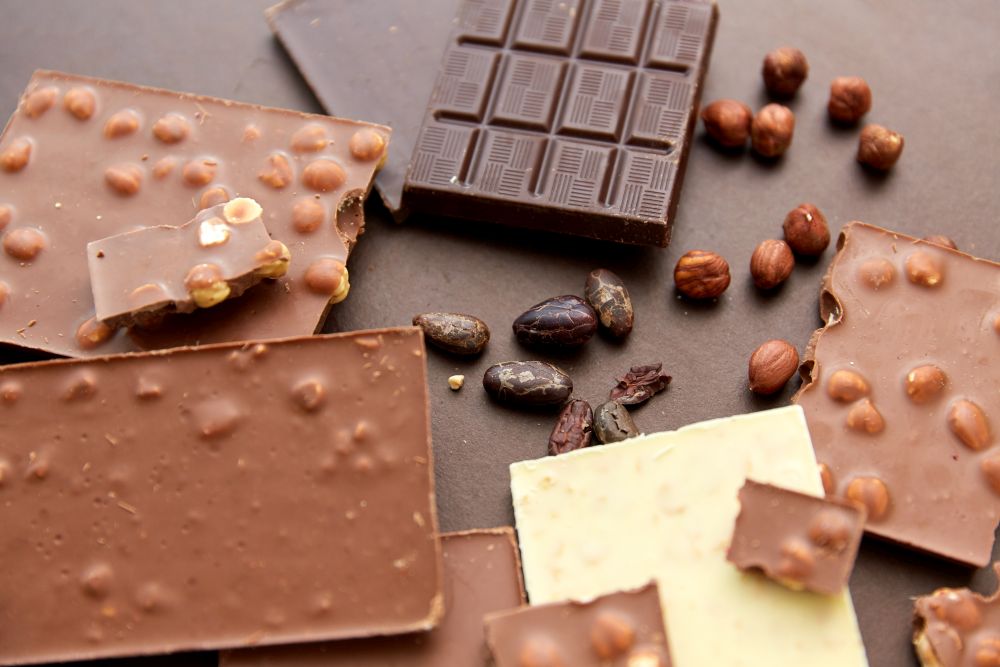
(566, 109)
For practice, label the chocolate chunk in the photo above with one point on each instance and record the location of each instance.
(956, 627)
(454, 332)
(527, 383)
(640, 384)
(574, 117)
(196, 498)
(560, 321)
(573, 428)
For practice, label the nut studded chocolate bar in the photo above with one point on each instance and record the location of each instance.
(902, 393)
(956, 627)
(573, 117)
(83, 159)
(217, 497)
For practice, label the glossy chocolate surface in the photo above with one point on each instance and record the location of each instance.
(957, 627)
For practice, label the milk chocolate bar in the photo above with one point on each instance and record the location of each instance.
(574, 117)
(801, 541)
(83, 159)
(216, 497)
(482, 574)
(902, 393)
(623, 629)
(139, 277)
(956, 627)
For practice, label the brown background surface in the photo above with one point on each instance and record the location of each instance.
(935, 76)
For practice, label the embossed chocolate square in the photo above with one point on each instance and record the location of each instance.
(902, 392)
(573, 117)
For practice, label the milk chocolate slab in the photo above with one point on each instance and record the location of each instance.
(402, 42)
(216, 497)
(623, 629)
(83, 159)
(573, 117)
(482, 574)
(139, 277)
(799, 540)
(902, 391)
(956, 627)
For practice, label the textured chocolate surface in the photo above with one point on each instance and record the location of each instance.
(912, 343)
(799, 540)
(944, 184)
(106, 156)
(616, 630)
(482, 575)
(222, 496)
(956, 627)
(574, 117)
(402, 42)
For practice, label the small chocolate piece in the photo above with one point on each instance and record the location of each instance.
(771, 366)
(801, 541)
(454, 332)
(567, 321)
(879, 147)
(527, 383)
(482, 575)
(957, 627)
(573, 117)
(700, 274)
(616, 630)
(728, 122)
(771, 130)
(850, 99)
(892, 390)
(573, 428)
(608, 296)
(640, 384)
(195, 498)
(613, 423)
(784, 71)
(138, 277)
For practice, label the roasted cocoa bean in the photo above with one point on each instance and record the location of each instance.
(454, 332)
(613, 423)
(640, 384)
(563, 320)
(527, 383)
(607, 295)
(573, 428)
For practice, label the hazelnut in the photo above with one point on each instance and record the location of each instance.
(171, 129)
(864, 417)
(784, 71)
(6, 215)
(877, 272)
(991, 470)
(213, 232)
(806, 230)
(24, 243)
(309, 395)
(39, 101)
(539, 653)
(92, 333)
(728, 122)
(278, 172)
(700, 274)
(924, 383)
(611, 635)
(826, 477)
(923, 268)
(308, 215)
(81, 102)
(938, 239)
(366, 144)
(772, 129)
(309, 139)
(125, 179)
(872, 493)
(15, 157)
(273, 260)
(206, 285)
(771, 366)
(771, 263)
(328, 276)
(797, 562)
(213, 197)
(323, 175)
(241, 210)
(199, 172)
(847, 386)
(829, 531)
(850, 99)
(968, 422)
(147, 295)
(879, 147)
(988, 652)
(163, 167)
(121, 124)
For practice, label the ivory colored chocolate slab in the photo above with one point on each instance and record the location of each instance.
(662, 507)
(894, 305)
(217, 497)
(482, 574)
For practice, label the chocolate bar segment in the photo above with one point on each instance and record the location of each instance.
(801, 541)
(574, 117)
(84, 159)
(617, 630)
(956, 627)
(217, 497)
(139, 277)
(901, 390)
(482, 574)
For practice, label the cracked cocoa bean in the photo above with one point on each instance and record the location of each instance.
(573, 428)
(606, 293)
(527, 383)
(567, 321)
(613, 423)
(454, 332)
(640, 384)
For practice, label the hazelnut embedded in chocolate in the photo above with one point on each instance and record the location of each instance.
(121, 124)
(213, 197)
(924, 383)
(328, 276)
(784, 71)
(213, 232)
(323, 175)
(611, 635)
(39, 101)
(850, 99)
(864, 417)
(92, 333)
(924, 269)
(872, 493)
(806, 231)
(309, 139)
(24, 243)
(125, 179)
(879, 147)
(367, 144)
(968, 422)
(877, 272)
(847, 386)
(199, 172)
(728, 122)
(241, 211)
(278, 171)
(308, 215)
(171, 128)
(81, 102)
(273, 260)
(772, 130)
(15, 157)
(206, 285)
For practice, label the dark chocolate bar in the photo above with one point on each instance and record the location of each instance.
(574, 117)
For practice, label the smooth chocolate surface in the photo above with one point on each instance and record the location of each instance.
(217, 497)
(799, 540)
(106, 156)
(398, 44)
(902, 390)
(956, 627)
(482, 575)
(142, 275)
(573, 117)
(616, 630)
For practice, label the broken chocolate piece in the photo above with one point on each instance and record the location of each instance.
(956, 627)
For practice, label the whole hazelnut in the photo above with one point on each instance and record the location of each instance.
(850, 99)
(700, 274)
(728, 122)
(879, 147)
(784, 71)
(771, 366)
(772, 129)
(771, 263)
(806, 230)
